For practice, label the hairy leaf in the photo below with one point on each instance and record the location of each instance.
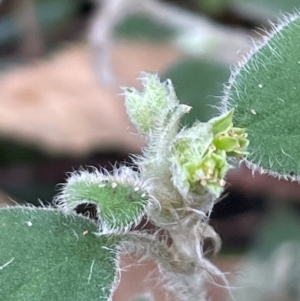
(120, 199)
(265, 95)
(46, 255)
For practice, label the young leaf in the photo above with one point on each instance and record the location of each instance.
(152, 109)
(46, 255)
(265, 94)
(121, 199)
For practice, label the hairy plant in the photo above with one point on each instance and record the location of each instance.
(55, 254)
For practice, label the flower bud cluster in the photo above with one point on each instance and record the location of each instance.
(199, 154)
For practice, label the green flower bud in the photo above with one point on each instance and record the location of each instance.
(199, 154)
(188, 161)
(226, 137)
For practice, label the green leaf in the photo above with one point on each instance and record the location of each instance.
(265, 95)
(121, 199)
(46, 255)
